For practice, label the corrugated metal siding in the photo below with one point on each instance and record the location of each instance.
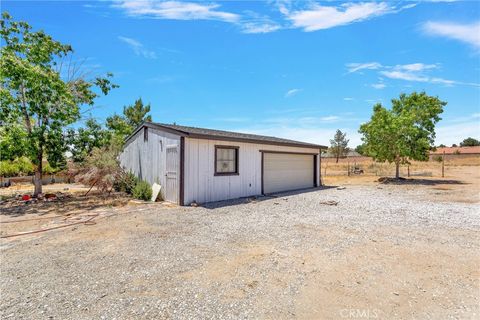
(202, 186)
(147, 159)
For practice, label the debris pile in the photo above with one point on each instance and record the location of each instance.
(329, 202)
(29, 199)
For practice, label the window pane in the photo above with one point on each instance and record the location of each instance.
(225, 166)
(225, 154)
(226, 160)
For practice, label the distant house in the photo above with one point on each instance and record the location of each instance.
(203, 165)
(455, 152)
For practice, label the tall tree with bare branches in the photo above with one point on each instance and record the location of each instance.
(33, 89)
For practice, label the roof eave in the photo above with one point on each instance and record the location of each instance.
(213, 137)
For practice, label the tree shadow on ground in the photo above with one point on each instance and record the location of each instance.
(66, 205)
(424, 182)
(259, 198)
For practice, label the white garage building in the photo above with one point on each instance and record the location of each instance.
(204, 165)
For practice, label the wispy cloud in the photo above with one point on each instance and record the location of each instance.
(247, 22)
(309, 17)
(259, 27)
(467, 33)
(378, 85)
(330, 118)
(348, 99)
(414, 67)
(292, 92)
(312, 134)
(253, 22)
(416, 72)
(138, 48)
(176, 10)
(318, 17)
(355, 67)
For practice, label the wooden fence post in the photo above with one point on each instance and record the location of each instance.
(408, 171)
(443, 164)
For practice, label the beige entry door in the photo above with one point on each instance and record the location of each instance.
(287, 171)
(171, 175)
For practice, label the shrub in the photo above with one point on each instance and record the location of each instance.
(24, 166)
(100, 169)
(438, 158)
(19, 167)
(48, 169)
(7, 169)
(142, 191)
(125, 182)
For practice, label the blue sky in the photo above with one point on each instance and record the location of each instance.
(297, 70)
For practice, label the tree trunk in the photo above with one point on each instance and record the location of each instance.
(37, 181)
(337, 158)
(397, 170)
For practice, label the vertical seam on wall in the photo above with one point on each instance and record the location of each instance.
(182, 170)
(261, 174)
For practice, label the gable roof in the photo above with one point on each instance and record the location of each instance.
(203, 133)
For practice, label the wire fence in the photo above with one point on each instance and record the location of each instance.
(367, 167)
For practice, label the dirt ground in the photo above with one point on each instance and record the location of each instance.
(408, 251)
(460, 184)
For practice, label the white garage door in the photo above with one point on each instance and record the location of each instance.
(283, 172)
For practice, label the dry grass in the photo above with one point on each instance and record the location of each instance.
(417, 168)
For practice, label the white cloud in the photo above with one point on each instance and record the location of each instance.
(378, 85)
(330, 118)
(263, 27)
(316, 135)
(355, 67)
(416, 67)
(417, 77)
(138, 48)
(348, 99)
(468, 33)
(402, 75)
(251, 22)
(292, 92)
(176, 10)
(416, 72)
(319, 17)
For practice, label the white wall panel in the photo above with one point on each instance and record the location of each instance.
(201, 185)
(147, 159)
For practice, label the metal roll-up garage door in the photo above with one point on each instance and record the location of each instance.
(287, 171)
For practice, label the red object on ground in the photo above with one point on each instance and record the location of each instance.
(26, 197)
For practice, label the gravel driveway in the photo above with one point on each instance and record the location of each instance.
(379, 253)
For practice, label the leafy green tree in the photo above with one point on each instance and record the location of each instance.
(339, 145)
(133, 115)
(360, 149)
(33, 91)
(441, 145)
(82, 141)
(405, 132)
(470, 142)
(13, 141)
